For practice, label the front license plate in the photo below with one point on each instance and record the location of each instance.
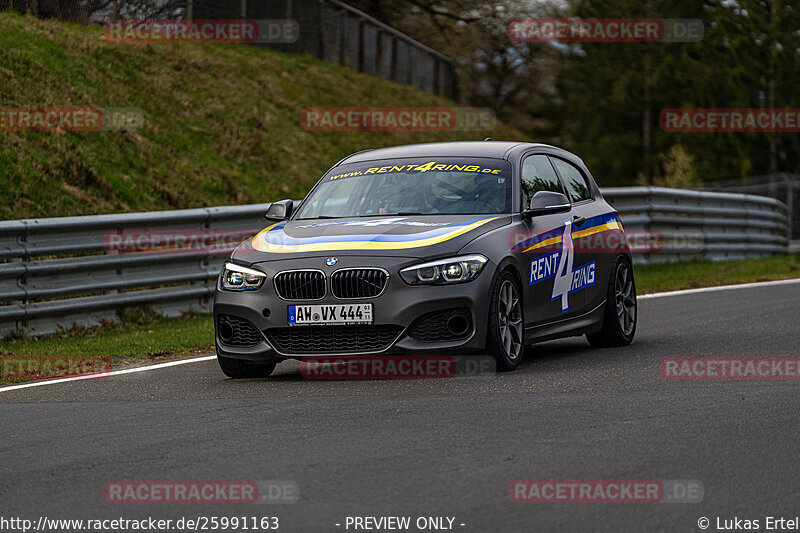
(330, 315)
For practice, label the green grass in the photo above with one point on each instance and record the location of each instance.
(676, 276)
(221, 122)
(143, 336)
(139, 336)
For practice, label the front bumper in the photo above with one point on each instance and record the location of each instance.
(400, 305)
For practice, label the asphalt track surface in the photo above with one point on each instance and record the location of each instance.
(444, 447)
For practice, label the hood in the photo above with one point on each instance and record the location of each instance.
(403, 236)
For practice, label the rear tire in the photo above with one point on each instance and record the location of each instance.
(238, 369)
(505, 338)
(619, 318)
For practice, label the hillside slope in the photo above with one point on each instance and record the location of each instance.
(221, 122)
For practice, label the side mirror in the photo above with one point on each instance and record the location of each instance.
(279, 211)
(546, 202)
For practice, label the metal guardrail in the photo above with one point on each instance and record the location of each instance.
(56, 272)
(692, 225)
(337, 33)
(780, 185)
(61, 271)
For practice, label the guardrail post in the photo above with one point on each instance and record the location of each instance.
(393, 60)
(789, 202)
(361, 60)
(343, 39)
(437, 82)
(22, 279)
(378, 52)
(205, 259)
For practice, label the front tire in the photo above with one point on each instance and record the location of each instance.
(619, 319)
(238, 369)
(505, 338)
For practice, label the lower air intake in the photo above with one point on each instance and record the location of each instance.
(235, 331)
(332, 339)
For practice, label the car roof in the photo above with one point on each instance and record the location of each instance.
(496, 149)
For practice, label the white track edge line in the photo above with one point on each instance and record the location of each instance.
(108, 374)
(719, 288)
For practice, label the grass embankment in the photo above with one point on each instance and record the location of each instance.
(147, 337)
(221, 122)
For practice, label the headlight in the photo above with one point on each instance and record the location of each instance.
(445, 271)
(238, 278)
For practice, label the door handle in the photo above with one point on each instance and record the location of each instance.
(578, 220)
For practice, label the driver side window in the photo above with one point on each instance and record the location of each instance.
(538, 174)
(331, 200)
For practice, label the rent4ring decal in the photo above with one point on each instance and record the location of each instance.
(559, 265)
(430, 165)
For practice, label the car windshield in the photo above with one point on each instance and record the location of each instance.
(419, 186)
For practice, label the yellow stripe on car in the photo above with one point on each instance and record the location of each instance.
(262, 245)
(611, 225)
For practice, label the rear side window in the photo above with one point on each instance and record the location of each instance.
(577, 186)
(538, 175)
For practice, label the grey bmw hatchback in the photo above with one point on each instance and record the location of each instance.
(442, 248)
